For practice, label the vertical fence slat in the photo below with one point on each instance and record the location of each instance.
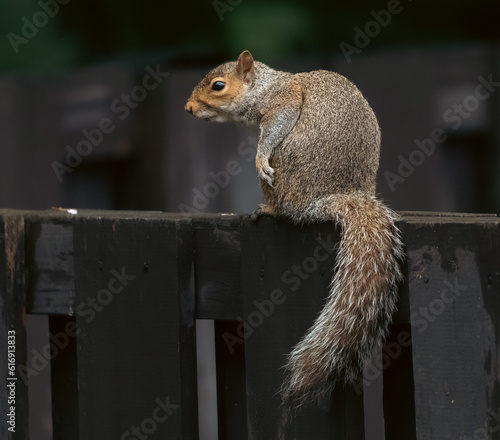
(280, 304)
(12, 319)
(51, 291)
(455, 318)
(396, 368)
(218, 267)
(219, 297)
(135, 314)
(132, 367)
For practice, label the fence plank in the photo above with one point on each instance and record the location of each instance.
(135, 313)
(14, 414)
(455, 318)
(396, 364)
(279, 307)
(139, 346)
(218, 267)
(49, 259)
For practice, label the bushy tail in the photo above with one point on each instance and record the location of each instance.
(354, 321)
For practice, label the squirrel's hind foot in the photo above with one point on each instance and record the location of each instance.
(262, 209)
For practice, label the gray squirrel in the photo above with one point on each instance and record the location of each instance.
(317, 159)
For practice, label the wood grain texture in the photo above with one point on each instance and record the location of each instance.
(454, 268)
(218, 267)
(286, 273)
(51, 267)
(264, 283)
(135, 312)
(12, 319)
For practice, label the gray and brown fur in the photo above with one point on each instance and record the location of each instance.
(317, 157)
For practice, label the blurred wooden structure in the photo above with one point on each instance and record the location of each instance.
(123, 291)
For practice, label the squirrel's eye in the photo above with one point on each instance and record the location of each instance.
(218, 85)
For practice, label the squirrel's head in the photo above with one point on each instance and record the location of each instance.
(218, 96)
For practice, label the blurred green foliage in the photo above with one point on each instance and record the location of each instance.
(34, 42)
(270, 29)
(83, 31)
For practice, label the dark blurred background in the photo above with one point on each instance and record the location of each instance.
(92, 95)
(67, 66)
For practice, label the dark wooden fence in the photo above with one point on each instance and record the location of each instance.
(123, 291)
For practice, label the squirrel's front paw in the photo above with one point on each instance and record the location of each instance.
(265, 171)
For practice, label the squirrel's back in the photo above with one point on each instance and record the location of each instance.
(336, 139)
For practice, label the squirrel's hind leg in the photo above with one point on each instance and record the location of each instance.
(263, 209)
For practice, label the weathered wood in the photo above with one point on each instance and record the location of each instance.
(143, 343)
(50, 254)
(50, 266)
(395, 362)
(454, 267)
(135, 313)
(218, 267)
(50, 257)
(14, 404)
(286, 272)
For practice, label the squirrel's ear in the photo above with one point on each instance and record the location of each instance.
(245, 68)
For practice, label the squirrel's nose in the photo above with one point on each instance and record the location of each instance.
(189, 109)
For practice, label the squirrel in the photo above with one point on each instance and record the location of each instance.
(317, 159)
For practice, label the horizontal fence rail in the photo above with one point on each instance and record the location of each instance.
(123, 290)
